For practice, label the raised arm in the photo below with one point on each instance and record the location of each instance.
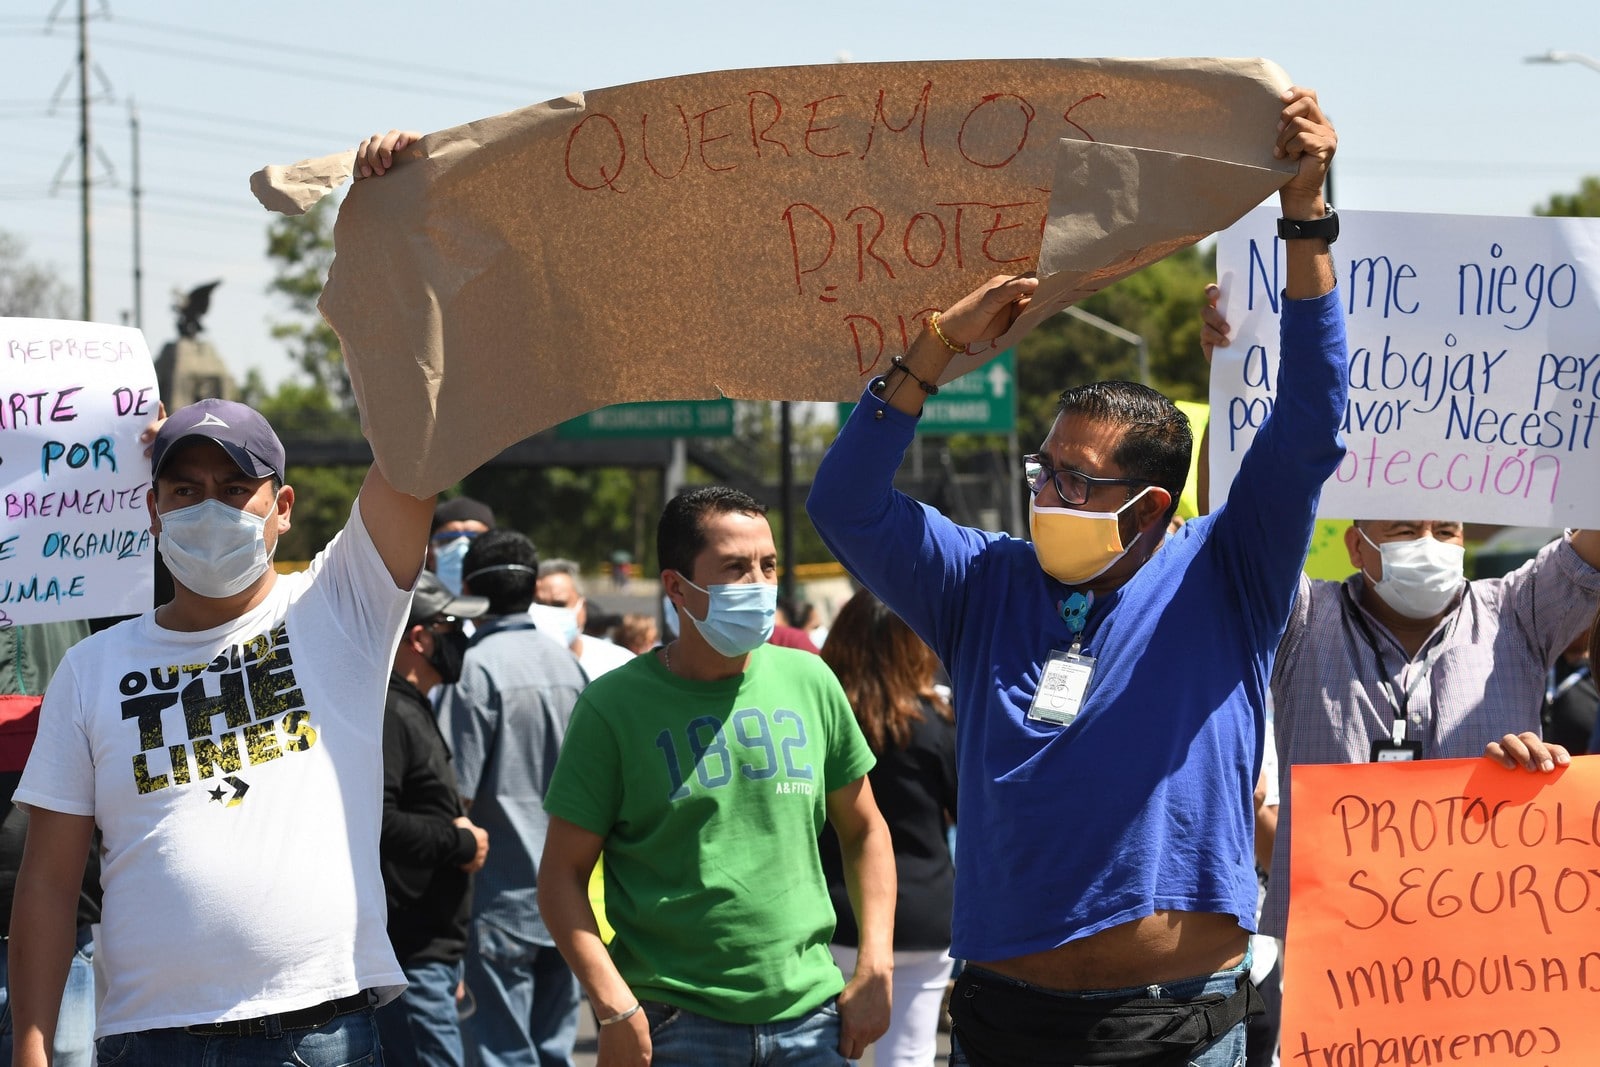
(398, 525)
(1305, 136)
(982, 315)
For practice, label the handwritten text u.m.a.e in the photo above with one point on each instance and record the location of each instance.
(75, 534)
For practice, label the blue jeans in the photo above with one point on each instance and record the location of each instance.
(419, 1028)
(680, 1038)
(348, 1041)
(74, 1043)
(1225, 1051)
(527, 1002)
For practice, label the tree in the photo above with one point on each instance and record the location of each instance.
(1585, 203)
(28, 290)
(303, 247)
(1160, 303)
(583, 514)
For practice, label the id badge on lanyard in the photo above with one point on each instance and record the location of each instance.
(1062, 687)
(1395, 748)
(1066, 676)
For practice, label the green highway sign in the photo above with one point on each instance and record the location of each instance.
(654, 418)
(981, 401)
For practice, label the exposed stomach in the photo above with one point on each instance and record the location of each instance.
(1164, 947)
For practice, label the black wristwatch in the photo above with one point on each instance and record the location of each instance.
(1327, 227)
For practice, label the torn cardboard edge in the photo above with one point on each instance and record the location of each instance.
(482, 293)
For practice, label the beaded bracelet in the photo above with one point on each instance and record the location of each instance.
(933, 324)
(622, 1016)
(900, 365)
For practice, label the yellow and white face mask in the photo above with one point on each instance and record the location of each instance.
(1079, 546)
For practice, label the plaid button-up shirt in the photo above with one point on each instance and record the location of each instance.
(1480, 675)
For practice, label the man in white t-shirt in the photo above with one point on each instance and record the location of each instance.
(228, 745)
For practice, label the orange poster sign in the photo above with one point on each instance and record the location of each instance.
(1443, 912)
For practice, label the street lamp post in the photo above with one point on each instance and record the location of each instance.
(1120, 334)
(1554, 56)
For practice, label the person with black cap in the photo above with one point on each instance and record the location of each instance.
(429, 847)
(225, 744)
(455, 523)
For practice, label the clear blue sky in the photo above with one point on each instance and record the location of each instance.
(1436, 108)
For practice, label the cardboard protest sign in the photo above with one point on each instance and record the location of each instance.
(1474, 364)
(75, 538)
(761, 234)
(1445, 911)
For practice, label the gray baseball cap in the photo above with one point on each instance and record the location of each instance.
(431, 599)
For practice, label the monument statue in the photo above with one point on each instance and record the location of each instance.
(193, 307)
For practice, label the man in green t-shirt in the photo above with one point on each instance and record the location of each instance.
(703, 772)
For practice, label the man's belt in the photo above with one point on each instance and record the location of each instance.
(313, 1018)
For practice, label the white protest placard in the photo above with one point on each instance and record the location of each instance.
(75, 534)
(1474, 364)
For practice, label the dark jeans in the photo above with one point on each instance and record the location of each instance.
(419, 1027)
(527, 1002)
(1261, 1041)
(348, 1041)
(681, 1038)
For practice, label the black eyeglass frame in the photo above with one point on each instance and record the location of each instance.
(1035, 467)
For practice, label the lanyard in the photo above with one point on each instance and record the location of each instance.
(1556, 690)
(1074, 612)
(1400, 703)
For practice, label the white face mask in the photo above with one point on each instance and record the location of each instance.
(559, 623)
(213, 549)
(1421, 577)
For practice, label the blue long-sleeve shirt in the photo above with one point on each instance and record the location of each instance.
(1144, 803)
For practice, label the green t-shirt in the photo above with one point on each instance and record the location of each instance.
(710, 796)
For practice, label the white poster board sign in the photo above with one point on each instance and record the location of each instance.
(1474, 365)
(75, 533)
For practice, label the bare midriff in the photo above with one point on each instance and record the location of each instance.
(1165, 947)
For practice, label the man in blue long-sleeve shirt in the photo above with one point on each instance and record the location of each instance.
(1108, 696)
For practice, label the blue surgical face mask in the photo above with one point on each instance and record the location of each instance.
(739, 618)
(214, 549)
(447, 559)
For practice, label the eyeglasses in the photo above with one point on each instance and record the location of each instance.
(444, 537)
(1072, 486)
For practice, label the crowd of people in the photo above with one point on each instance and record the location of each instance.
(735, 849)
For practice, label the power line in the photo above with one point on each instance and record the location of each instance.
(243, 202)
(300, 72)
(342, 57)
(174, 133)
(233, 120)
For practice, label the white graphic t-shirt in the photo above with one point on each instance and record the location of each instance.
(237, 778)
